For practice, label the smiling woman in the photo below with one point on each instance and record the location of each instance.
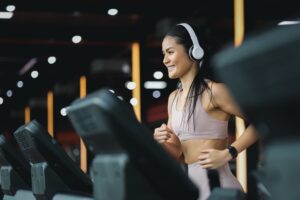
(175, 55)
(199, 109)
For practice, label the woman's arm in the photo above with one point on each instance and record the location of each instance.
(224, 100)
(211, 158)
(173, 145)
(165, 135)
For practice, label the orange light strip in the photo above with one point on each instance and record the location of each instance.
(239, 31)
(136, 92)
(239, 22)
(27, 114)
(50, 113)
(83, 152)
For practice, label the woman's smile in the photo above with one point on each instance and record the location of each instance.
(171, 69)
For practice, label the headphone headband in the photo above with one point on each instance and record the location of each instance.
(197, 51)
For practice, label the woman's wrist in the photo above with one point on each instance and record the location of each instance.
(232, 151)
(227, 156)
(173, 149)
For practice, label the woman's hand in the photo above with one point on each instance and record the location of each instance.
(213, 158)
(165, 136)
(162, 133)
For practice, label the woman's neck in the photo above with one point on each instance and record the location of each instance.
(187, 79)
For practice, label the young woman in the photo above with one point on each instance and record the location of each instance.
(198, 110)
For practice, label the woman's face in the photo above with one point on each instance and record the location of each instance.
(175, 59)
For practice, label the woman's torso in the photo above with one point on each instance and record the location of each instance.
(207, 130)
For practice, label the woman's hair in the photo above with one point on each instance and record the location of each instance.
(199, 85)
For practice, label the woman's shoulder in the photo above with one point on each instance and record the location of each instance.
(220, 94)
(215, 87)
(171, 99)
(172, 95)
(216, 92)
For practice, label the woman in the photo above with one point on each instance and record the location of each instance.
(198, 110)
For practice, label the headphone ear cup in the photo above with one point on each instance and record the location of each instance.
(196, 54)
(191, 53)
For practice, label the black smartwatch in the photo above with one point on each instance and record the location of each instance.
(233, 152)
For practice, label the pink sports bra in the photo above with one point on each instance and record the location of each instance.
(205, 127)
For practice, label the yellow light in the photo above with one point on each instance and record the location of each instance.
(50, 113)
(239, 29)
(239, 26)
(27, 114)
(136, 92)
(83, 152)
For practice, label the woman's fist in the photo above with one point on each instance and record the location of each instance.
(162, 133)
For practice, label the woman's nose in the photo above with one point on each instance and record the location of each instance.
(165, 60)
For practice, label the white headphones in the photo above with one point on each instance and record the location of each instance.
(196, 52)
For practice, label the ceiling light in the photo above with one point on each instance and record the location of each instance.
(9, 93)
(51, 59)
(6, 15)
(130, 85)
(28, 66)
(34, 74)
(20, 84)
(126, 68)
(76, 39)
(156, 94)
(155, 84)
(158, 75)
(63, 111)
(10, 8)
(112, 11)
(1, 101)
(133, 101)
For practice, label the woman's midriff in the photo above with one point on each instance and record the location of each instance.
(192, 148)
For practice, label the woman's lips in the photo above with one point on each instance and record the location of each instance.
(171, 68)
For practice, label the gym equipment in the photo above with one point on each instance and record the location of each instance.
(263, 75)
(52, 170)
(14, 171)
(129, 163)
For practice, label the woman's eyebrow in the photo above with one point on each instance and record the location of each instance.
(167, 49)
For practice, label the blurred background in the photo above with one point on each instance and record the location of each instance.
(50, 49)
